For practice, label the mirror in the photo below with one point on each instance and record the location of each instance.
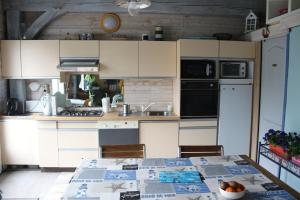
(91, 89)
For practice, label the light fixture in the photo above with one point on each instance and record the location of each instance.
(133, 6)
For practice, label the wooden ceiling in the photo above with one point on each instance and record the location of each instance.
(181, 7)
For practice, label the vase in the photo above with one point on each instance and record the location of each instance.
(279, 151)
(296, 160)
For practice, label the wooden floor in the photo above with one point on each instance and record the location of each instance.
(33, 184)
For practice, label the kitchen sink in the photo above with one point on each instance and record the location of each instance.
(157, 113)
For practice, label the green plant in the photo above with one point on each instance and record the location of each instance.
(90, 79)
(290, 142)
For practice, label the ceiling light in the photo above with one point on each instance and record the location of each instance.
(133, 6)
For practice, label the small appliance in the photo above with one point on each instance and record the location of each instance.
(198, 69)
(12, 106)
(233, 69)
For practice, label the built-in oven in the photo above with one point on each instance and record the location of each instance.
(198, 69)
(199, 99)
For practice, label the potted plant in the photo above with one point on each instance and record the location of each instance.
(282, 143)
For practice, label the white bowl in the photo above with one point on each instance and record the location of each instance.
(232, 195)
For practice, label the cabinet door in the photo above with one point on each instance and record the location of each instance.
(11, 58)
(157, 59)
(40, 58)
(199, 48)
(273, 80)
(192, 136)
(160, 139)
(48, 148)
(119, 59)
(19, 142)
(235, 118)
(79, 48)
(237, 49)
(72, 158)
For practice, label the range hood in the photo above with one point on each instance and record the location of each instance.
(90, 65)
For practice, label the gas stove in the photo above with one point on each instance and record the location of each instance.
(73, 113)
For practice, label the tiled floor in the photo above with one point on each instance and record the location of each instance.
(33, 184)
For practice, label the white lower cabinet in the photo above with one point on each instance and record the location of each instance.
(48, 148)
(198, 132)
(19, 142)
(160, 138)
(77, 141)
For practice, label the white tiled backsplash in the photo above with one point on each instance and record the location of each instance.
(142, 92)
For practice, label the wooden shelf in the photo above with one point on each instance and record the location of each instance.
(273, 7)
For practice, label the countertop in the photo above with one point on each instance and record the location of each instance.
(112, 116)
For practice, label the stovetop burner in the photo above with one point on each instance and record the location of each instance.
(90, 113)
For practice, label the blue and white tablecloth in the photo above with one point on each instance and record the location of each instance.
(194, 178)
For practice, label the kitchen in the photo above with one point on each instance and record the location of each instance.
(114, 87)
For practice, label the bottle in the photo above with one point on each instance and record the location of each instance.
(159, 33)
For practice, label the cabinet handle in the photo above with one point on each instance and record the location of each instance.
(274, 65)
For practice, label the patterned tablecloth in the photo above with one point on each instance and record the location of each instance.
(149, 179)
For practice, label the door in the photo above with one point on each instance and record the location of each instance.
(199, 48)
(157, 59)
(160, 139)
(79, 48)
(235, 118)
(273, 83)
(40, 58)
(119, 59)
(11, 58)
(237, 49)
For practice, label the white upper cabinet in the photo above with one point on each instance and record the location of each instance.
(119, 59)
(237, 49)
(79, 48)
(11, 58)
(40, 58)
(157, 59)
(199, 48)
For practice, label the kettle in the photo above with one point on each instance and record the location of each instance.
(12, 106)
(46, 103)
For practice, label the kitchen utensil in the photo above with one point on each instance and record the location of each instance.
(105, 104)
(126, 109)
(12, 106)
(46, 104)
(223, 36)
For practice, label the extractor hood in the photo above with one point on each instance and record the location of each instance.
(90, 65)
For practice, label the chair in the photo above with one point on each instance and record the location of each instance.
(197, 151)
(123, 151)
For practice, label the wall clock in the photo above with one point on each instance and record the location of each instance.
(110, 22)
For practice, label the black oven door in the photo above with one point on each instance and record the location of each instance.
(199, 99)
(198, 69)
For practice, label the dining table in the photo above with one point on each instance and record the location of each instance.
(195, 178)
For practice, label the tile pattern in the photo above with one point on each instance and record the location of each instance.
(142, 92)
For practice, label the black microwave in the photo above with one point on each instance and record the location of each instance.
(198, 69)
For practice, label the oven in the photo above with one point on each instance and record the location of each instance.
(199, 99)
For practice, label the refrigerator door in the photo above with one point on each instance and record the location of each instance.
(235, 118)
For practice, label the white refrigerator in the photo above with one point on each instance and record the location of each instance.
(235, 118)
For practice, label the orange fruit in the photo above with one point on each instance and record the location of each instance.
(239, 189)
(230, 189)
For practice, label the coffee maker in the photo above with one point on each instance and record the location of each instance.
(12, 106)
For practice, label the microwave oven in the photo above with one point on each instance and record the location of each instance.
(198, 69)
(233, 69)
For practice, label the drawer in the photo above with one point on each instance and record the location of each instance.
(199, 123)
(77, 139)
(77, 125)
(47, 124)
(198, 137)
(72, 158)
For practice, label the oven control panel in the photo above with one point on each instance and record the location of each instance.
(117, 124)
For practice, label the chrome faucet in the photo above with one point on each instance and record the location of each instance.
(145, 108)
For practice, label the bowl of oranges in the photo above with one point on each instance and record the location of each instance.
(232, 190)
